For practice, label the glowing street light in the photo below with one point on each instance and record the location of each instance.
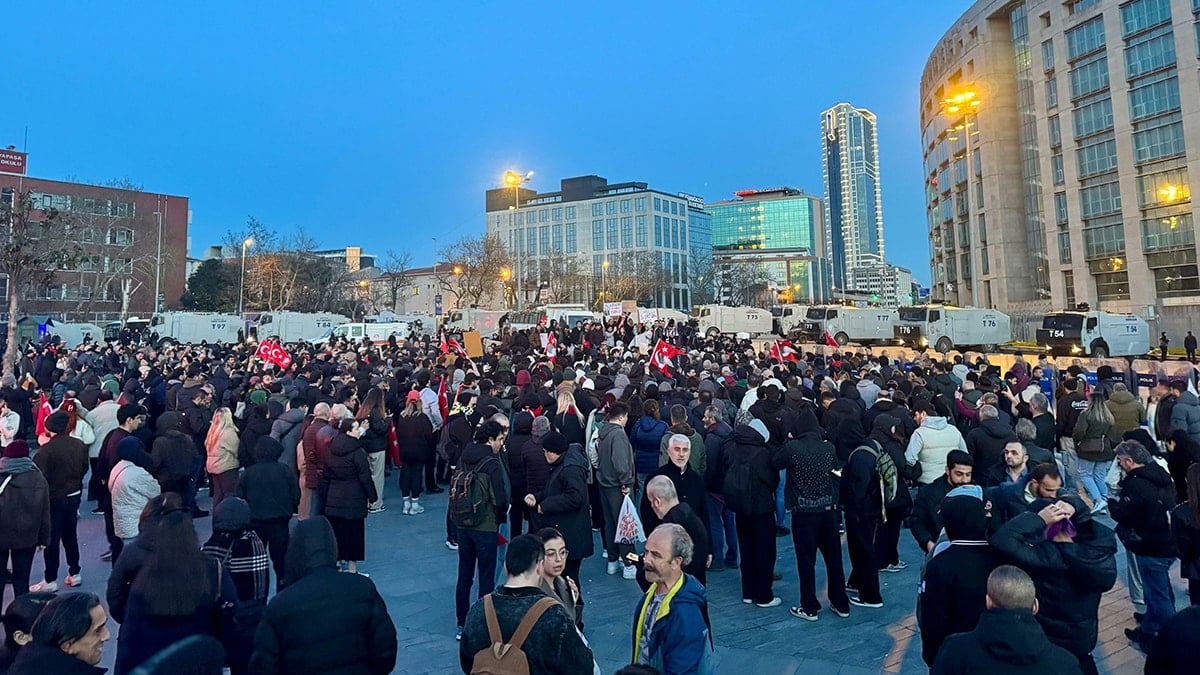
(515, 181)
(242, 284)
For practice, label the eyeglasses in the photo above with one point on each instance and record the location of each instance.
(560, 554)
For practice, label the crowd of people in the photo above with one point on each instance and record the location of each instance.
(547, 448)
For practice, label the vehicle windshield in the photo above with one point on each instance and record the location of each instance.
(340, 331)
(815, 313)
(705, 312)
(1062, 322)
(264, 320)
(916, 314)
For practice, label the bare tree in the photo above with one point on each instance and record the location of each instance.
(474, 267)
(632, 275)
(702, 279)
(566, 278)
(34, 243)
(395, 275)
(740, 283)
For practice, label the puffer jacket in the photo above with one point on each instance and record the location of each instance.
(1186, 415)
(349, 476)
(173, 452)
(714, 439)
(1070, 577)
(268, 485)
(1147, 497)
(646, 437)
(132, 487)
(223, 453)
(1128, 413)
(930, 444)
(286, 429)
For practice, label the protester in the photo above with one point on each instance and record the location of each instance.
(749, 490)
(271, 490)
(480, 487)
(236, 547)
(554, 582)
(63, 460)
(25, 505)
(925, 523)
(617, 478)
(1185, 528)
(350, 490)
(563, 505)
(132, 487)
(670, 629)
(222, 446)
(68, 638)
(1093, 444)
(414, 435)
(18, 621)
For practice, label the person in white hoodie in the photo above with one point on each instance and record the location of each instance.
(103, 419)
(131, 486)
(931, 442)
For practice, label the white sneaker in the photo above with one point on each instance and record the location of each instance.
(614, 567)
(407, 506)
(44, 587)
(416, 508)
(451, 545)
(774, 602)
(630, 572)
(74, 580)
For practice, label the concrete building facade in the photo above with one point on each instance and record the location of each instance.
(1059, 139)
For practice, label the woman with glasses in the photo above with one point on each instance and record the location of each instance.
(554, 582)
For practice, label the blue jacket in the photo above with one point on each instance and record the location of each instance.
(679, 639)
(646, 437)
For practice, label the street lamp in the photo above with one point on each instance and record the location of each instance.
(965, 102)
(158, 263)
(242, 284)
(515, 181)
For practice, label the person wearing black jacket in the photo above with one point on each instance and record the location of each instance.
(811, 494)
(862, 502)
(63, 460)
(986, 442)
(925, 522)
(1007, 639)
(954, 588)
(1071, 572)
(1144, 526)
(721, 519)
(666, 508)
(290, 640)
(749, 490)
(173, 454)
(689, 485)
(520, 434)
(477, 546)
(271, 490)
(563, 504)
(887, 431)
(1177, 649)
(843, 423)
(351, 489)
(1066, 413)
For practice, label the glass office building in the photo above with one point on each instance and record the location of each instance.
(854, 205)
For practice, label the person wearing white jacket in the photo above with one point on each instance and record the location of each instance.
(10, 424)
(103, 419)
(132, 487)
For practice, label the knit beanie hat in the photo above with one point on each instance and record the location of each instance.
(17, 449)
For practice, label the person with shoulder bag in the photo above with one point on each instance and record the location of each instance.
(1094, 447)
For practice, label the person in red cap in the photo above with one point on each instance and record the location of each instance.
(25, 503)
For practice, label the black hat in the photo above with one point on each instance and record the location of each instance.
(57, 422)
(554, 443)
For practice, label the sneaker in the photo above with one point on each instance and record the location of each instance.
(1101, 506)
(801, 614)
(377, 509)
(748, 601)
(106, 556)
(775, 602)
(859, 602)
(44, 587)
(891, 569)
(416, 508)
(614, 567)
(630, 572)
(407, 506)
(781, 531)
(458, 633)
(452, 545)
(74, 580)
(97, 510)
(842, 613)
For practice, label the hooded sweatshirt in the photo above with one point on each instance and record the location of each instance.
(930, 444)
(1128, 413)
(1004, 642)
(1186, 415)
(616, 457)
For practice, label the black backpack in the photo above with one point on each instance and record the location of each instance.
(738, 484)
(471, 495)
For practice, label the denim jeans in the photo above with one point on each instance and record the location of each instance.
(476, 558)
(1092, 475)
(1160, 596)
(780, 512)
(723, 528)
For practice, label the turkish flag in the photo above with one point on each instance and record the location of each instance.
(451, 346)
(552, 347)
(663, 353)
(783, 350)
(271, 352)
(830, 341)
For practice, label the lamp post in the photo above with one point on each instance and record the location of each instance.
(158, 264)
(516, 180)
(965, 102)
(242, 284)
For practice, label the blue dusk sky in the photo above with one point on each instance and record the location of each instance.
(381, 123)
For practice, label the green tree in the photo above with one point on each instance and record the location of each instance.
(212, 288)
(34, 243)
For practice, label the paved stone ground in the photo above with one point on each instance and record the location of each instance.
(414, 571)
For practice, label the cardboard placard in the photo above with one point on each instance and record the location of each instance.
(647, 315)
(612, 309)
(473, 344)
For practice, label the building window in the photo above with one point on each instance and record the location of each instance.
(1064, 246)
(1085, 38)
(657, 204)
(626, 232)
(544, 239)
(1104, 242)
(1158, 142)
(1100, 200)
(544, 215)
(572, 244)
(1163, 188)
(1048, 55)
(597, 209)
(571, 213)
(1069, 287)
(658, 230)
(556, 213)
(1093, 117)
(981, 221)
(120, 237)
(640, 231)
(639, 204)
(1056, 168)
(598, 235)
(1150, 53)
(979, 195)
(1060, 208)
(531, 240)
(1074, 6)
(1055, 131)
(626, 205)
(984, 264)
(1089, 76)
(556, 238)
(1139, 15)
(1151, 98)
(1112, 286)
(1097, 157)
(610, 207)
(1052, 93)
(610, 231)
(1168, 233)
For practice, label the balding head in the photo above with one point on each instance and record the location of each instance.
(321, 411)
(661, 494)
(1010, 588)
